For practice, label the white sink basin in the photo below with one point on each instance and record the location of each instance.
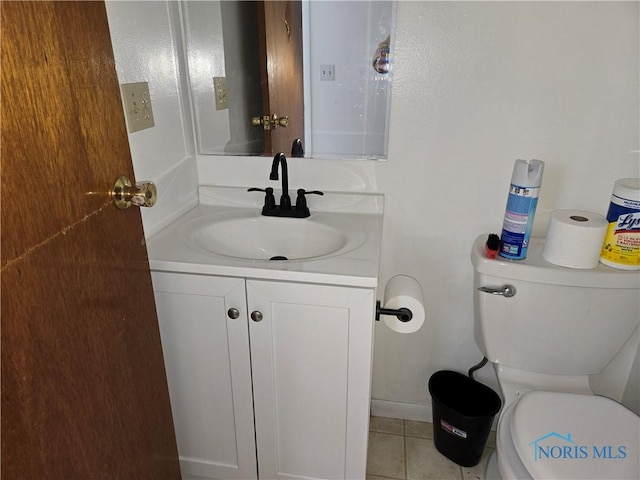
(255, 237)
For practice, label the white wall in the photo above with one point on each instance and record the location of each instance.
(147, 49)
(476, 85)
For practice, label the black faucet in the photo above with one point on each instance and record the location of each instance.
(280, 159)
(284, 209)
(297, 150)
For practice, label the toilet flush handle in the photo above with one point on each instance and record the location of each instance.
(506, 290)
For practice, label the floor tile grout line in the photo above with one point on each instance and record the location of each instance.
(387, 433)
(406, 460)
(404, 442)
(402, 435)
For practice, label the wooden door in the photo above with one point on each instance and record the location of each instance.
(84, 392)
(280, 37)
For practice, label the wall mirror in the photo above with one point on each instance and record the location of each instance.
(265, 73)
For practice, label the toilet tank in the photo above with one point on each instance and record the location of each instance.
(560, 321)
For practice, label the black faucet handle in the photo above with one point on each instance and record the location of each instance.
(303, 192)
(269, 198)
(268, 190)
(301, 201)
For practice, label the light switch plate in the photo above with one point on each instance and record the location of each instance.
(137, 106)
(328, 72)
(220, 88)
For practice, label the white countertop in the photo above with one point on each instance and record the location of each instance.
(171, 249)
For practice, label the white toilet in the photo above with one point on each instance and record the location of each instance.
(563, 344)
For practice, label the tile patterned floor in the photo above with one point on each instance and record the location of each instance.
(404, 450)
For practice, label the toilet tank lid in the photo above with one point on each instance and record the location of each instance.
(536, 269)
(568, 435)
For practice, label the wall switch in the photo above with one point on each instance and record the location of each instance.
(137, 106)
(220, 88)
(328, 72)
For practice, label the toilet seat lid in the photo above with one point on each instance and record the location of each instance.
(568, 435)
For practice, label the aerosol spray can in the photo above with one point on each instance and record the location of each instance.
(521, 208)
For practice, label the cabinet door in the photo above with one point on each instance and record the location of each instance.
(311, 358)
(208, 370)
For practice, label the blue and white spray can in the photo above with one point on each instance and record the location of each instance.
(521, 208)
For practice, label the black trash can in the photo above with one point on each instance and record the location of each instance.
(463, 411)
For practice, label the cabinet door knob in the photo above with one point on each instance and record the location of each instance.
(256, 316)
(233, 313)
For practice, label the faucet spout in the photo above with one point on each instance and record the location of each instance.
(281, 161)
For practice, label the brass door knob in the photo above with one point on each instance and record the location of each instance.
(264, 121)
(124, 194)
(270, 122)
(279, 121)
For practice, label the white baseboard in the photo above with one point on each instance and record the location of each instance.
(406, 411)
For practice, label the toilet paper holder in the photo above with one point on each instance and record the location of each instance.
(403, 314)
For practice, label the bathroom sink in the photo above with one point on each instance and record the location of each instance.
(256, 237)
(226, 235)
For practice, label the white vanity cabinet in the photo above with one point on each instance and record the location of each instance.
(207, 359)
(268, 379)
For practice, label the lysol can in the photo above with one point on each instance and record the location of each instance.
(621, 247)
(522, 201)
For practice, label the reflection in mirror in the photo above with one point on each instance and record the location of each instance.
(264, 74)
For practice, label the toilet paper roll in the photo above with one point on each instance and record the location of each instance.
(404, 292)
(574, 238)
